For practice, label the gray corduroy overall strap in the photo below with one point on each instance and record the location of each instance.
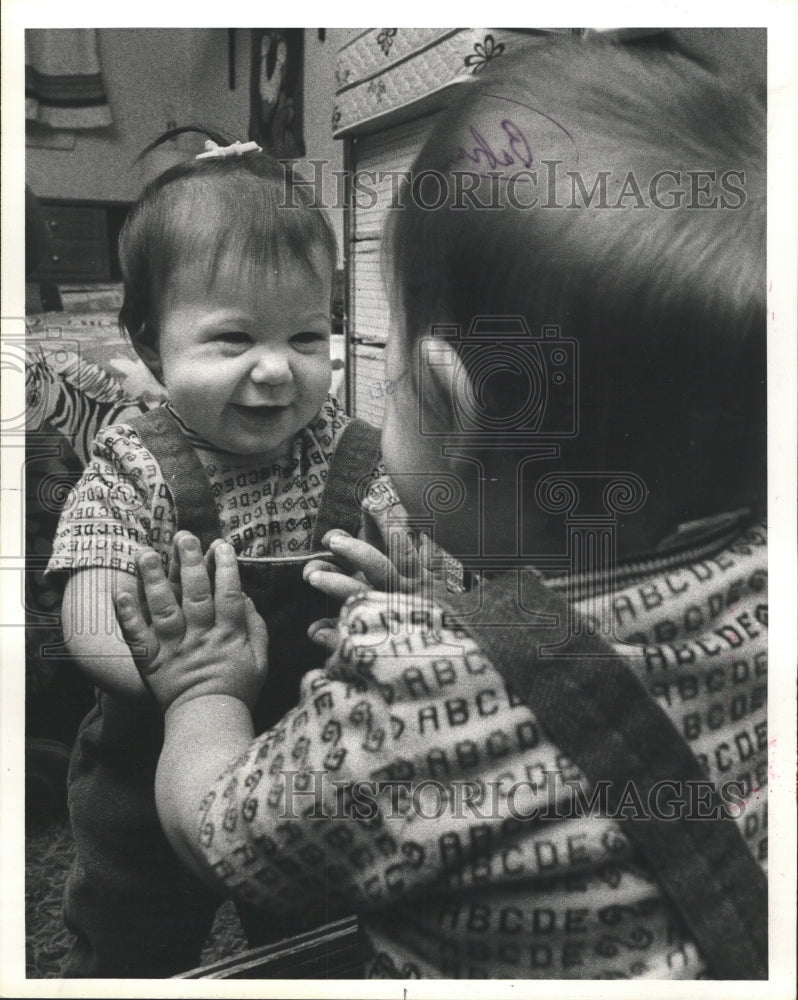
(597, 711)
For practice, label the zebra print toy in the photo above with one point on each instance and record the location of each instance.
(67, 402)
(65, 394)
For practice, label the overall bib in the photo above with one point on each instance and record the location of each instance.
(135, 910)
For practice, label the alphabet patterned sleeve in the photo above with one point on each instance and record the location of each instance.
(120, 504)
(410, 786)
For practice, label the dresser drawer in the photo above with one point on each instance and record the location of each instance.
(68, 222)
(68, 259)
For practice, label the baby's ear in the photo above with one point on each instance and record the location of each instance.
(445, 385)
(148, 354)
(446, 369)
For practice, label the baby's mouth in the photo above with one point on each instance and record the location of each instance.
(262, 411)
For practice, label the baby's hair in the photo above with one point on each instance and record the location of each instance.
(667, 305)
(199, 212)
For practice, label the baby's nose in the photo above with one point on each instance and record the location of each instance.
(271, 368)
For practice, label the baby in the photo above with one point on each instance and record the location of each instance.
(227, 300)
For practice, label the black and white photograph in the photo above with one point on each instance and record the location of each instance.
(398, 431)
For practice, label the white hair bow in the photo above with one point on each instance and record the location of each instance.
(237, 148)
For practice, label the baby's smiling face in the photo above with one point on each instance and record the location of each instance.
(246, 360)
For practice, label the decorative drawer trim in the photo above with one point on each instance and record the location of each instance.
(378, 88)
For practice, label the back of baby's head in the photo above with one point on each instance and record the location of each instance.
(615, 191)
(246, 209)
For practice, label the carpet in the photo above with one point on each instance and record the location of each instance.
(48, 855)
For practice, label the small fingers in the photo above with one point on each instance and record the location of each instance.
(135, 630)
(324, 633)
(167, 617)
(402, 552)
(362, 557)
(258, 636)
(321, 564)
(336, 584)
(174, 572)
(228, 598)
(197, 598)
(210, 558)
(398, 571)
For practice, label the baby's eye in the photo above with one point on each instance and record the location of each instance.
(233, 337)
(307, 337)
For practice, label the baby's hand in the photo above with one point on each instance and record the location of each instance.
(360, 565)
(210, 641)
